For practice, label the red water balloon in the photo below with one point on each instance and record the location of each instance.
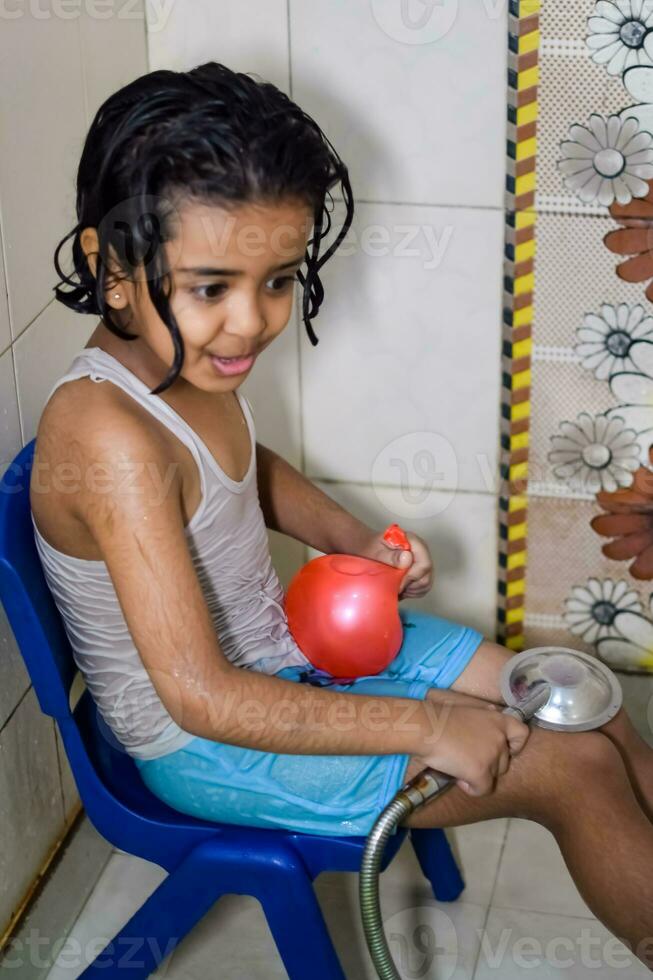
(343, 611)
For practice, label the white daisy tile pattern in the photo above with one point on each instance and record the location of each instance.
(595, 453)
(634, 391)
(630, 647)
(606, 338)
(619, 34)
(638, 82)
(591, 609)
(608, 160)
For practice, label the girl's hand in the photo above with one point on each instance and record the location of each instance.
(418, 579)
(474, 746)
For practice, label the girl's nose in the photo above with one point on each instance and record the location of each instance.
(245, 317)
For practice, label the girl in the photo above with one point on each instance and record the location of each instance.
(197, 193)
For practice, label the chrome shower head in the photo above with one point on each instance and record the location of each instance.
(584, 693)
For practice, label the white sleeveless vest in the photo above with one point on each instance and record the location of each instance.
(228, 542)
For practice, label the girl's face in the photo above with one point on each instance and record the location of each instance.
(233, 274)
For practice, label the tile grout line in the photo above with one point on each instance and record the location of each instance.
(392, 486)
(297, 305)
(491, 899)
(73, 926)
(15, 708)
(427, 204)
(59, 769)
(289, 48)
(82, 69)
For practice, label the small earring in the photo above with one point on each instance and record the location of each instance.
(116, 295)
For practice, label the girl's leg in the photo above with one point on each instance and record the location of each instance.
(575, 785)
(481, 679)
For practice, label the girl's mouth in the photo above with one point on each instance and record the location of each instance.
(227, 366)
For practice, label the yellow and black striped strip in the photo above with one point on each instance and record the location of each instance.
(519, 272)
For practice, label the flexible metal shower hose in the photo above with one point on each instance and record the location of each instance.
(368, 884)
(424, 786)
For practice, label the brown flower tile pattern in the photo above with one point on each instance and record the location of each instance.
(629, 521)
(634, 239)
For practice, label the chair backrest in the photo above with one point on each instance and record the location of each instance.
(24, 593)
(114, 796)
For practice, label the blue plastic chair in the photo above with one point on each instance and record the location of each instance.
(204, 860)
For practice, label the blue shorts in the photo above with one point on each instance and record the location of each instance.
(321, 794)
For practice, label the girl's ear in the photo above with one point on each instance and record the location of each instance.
(90, 244)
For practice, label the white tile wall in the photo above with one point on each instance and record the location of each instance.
(14, 679)
(114, 49)
(10, 441)
(42, 109)
(5, 331)
(409, 343)
(30, 799)
(250, 36)
(273, 392)
(13, 676)
(42, 353)
(417, 113)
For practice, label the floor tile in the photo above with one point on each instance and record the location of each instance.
(477, 849)
(517, 944)
(57, 906)
(31, 813)
(533, 876)
(122, 888)
(235, 934)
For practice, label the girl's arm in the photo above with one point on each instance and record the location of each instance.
(141, 537)
(293, 505)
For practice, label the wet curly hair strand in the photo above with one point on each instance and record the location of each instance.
(210, 134)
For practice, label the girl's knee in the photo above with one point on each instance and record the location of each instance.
(587, 756)
(554, 768)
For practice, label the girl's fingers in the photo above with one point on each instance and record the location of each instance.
(422, 582)
(504, 762)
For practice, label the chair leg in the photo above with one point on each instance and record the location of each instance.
(298, 928)
(437, 862)
(278, 880)
(161, 923)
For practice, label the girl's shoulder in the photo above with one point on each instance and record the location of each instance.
(83, 428)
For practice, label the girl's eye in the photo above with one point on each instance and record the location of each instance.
(284, 283)
(215, 290)
(208, 293)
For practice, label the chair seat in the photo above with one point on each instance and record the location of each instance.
(159, 824)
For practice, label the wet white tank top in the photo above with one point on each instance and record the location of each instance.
(228, 542)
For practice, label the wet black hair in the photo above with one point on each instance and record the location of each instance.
(210, 134)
